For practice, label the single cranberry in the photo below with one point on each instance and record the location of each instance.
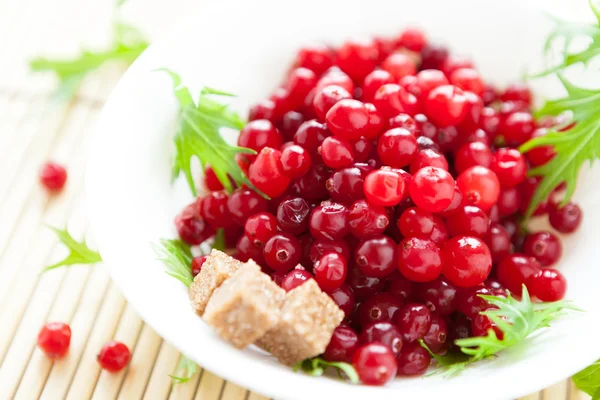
(415, 222)
(565, 219)
(295, 278)
(547, 285)
(191, 227)
(343, 344)
(337, 152)
(445, 105)
(401, 287)
(53, 176)
(266, 173)
(429, 79)
(482, 324)
(459, 327)
(326, 97)
(211, 181)
(392, 99)
(114, 356)
(428, 158)
(313, 185)
(489, 120)
(399, 65)
(470, 304)
(300, 82)
(329, 221)
(366, 220)
(346, 185)
(517, 128)
(330, 271)
(335, 76)
(344, 298)
(413, 360)
(197, 263)
(243, 203)
(376, 257)
(413, 39)
(247, 250)
(374, 81)
(414, 320)
(260, 227)
(259, 134)
(404, 121)
(469, 221)
(214, 209)
(382, 332)
(310, 135)
(432, 189)
(375, 364)
(358, 58)
(290, 122)
(479, 135)
(440, 296)
(437, 336)
(397, 147)
(479, 186)
(282, 252)
(468, 79)
(467, 261)
(321, 247)
(453, 63)
(455, 204)
(433, 56)
(517, 92)
(381, 307)
(509, 202)
(510, 167)
(514, 271)
(295, 161)
(384, 187)
(348, 118)
(362, 285)
(419, 259)
(316, 57)
(498, 241)
(265, 109)
(471, 154)
(542, 154)
(544, 247)
(54, 339)
(293, 215)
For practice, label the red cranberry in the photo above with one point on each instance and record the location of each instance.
(514, 271)
(197, 264)
(469, 302)
(413, 39)
(114, 356)
(343, 344)
(453, 63)
(479, 186)
(191, 227)
(290, 123)
(376, 257)
(295, 161)
(467, 261)
(471, 154)
(542, 154)
(384, 187)
(413, 360)
(414, 320)
(358, 58)
(489, 120)
(459, 327)
(374, 81)
(299, 83)
(260, 227)
(419, 259)
(346, 185)
(397, 147)
(243, 203)
(263, 110)
(295, 278)
(399, 65)
(292, 215)
(259, 134)
(364, 286)
(481, 325)
(498, 241)
(517, 92)
(401, 287)
(547, 285)
(54, 339)
(313, 185)
(429, 79)
(445, 105)
(544, 246)
(509, 202)
(310, 135)
(439, 296)
(53, 176)
(266, 173)
(326, 97)
(336, 152)
(432, 189)
(437, 336)
(375, 364)
(384, 333)
(330, 271)
(211, 181)
(455, 204)
(366, 220)
(468, 79)
(527, 190)
(247, 250)
(565, 219)
(392, 99)
(469, 221)
(214, 210)
(348, 118)
(344, 298)
(517, 128)
(282, 252)
(321, 247)
(335, 76)
(509, 166)
(381, 307)
(415, 222)
(433, 56)
(329, 221)
(315, 57)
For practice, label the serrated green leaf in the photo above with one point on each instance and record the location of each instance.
(316, 367)
(79, 252)
(588, 380)
(184, 371)
(177, 257)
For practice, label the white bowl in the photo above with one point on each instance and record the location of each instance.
(245, 47)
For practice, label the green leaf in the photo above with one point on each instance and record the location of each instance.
(317, 366)
(450, 364)
(588, 380)
(79, 252)
(128, 44)
(184, 371)
(219, 243)
(198, 136)
(177, 257)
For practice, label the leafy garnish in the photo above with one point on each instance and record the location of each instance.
(79, 252)
(198, 136)
(177, 257)
(573, 147)
(128, 44)
(588, 380)
(317, 366)
(450, 363)
(517, 319)
(184, 371)
(219, 243)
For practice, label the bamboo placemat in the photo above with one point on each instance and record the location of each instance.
(33, 129)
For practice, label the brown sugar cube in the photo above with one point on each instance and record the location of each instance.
(215, 270)
(245, 306)
(308, 318)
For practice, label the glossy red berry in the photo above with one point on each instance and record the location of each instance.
(440, 296)
(414, 320)
(344, 298)
(382, 332)
(295, 161)
(542, 154)
(468, 221)
(544, 247)
(467, 261)
(54, 339)
(433, 56)
(498, 241)
(482, 324)
(470, 304)
(214, 210)
(329, 221)
(260, 227)
(437, 336)
(243, 203)
(373, 81)
(53, 176)
(517, 128)
(335, 76)
(326, 97)
(367, 220)
(358, 58)
(211, 181)
(316, 57)
(517, 92)
(514, 271)
(330, 271)
(191, 227)
(310, 135)
(295, 278)
(380, 307)
(413, 360)
(377, 256)
(428, 158)
(429, 79)
(282, 252)
(480, 187)
(293, 215)
(343, 344)
(419, 259)
(468, 79)
(392, 99)
(321, 247)
(471, 154)
(267, 174)
(300, 82)
(565, 219)
(432, 189)
(397, 147)
(547, 285)
(348, 119)
(337, 152)
(412, 39)
(510, 167)
(399, 65)
(265, 109)
(384, 187)
(446, 105)
(346, 185)
(197, 263)
(114, 356)
(375, 364)
(259, 134)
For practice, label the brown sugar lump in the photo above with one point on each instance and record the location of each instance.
(245, 306)
(308, 319)
(216, 269)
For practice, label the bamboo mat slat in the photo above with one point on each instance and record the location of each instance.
(35, 128)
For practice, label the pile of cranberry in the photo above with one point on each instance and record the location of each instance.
(396, 184)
